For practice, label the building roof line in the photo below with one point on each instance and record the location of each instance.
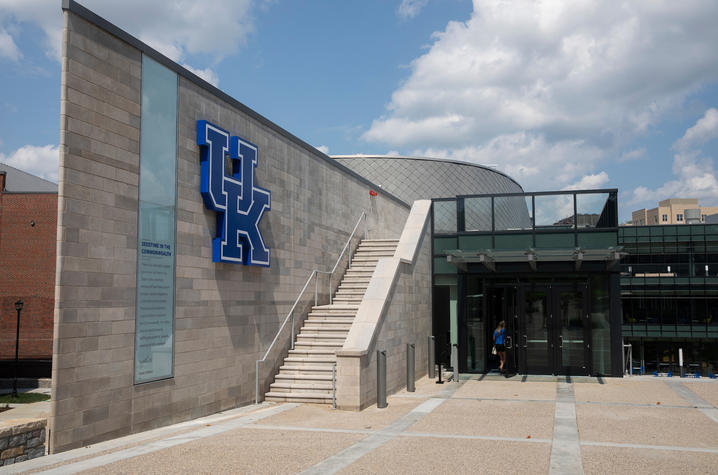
(430, 159)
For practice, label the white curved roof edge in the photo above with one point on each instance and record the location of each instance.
(430, 159)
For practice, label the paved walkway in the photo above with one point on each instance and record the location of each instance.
(636, 425)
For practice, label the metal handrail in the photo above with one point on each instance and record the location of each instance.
(351, 236)
(290, 316)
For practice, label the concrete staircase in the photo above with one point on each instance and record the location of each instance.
(306, 375)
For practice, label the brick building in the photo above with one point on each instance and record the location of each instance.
(28, 237)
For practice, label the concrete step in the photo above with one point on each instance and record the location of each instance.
(296, 396)
(316, 359)
(322, 335)
(353, 286)
(318, 344)
(379, 240)
(330, 320)
(314, 327)
(313, 352)
(304, 368)
(346, 322)
(293, 378)
(301, 385)
(333, 308)
(350, 291)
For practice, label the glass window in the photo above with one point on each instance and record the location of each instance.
(154, 331)
(600, 325)
(679, 217)
(664, 218)
(477, 214)
(444, 216)
(554, 211)
(513, 213)
(590, 208)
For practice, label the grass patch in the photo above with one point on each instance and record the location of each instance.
(23, 398)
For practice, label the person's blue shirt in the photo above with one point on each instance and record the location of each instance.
(499, 336)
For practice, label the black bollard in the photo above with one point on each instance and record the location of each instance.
(439, 381)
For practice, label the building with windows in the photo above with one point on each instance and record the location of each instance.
(669, 295)
(673, 211)
(547, 271)
(28, 241)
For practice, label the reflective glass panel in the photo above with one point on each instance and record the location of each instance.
(512, 213)
(554, 211)
(477, 214)
(590, 208)
(154, 331)
(444, 216)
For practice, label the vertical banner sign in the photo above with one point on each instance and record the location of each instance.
(154, 325)
(227, 187)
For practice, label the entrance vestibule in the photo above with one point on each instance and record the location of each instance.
(548, 325)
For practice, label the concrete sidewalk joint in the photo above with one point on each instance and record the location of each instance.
(353, 453)
(565, 447)
(170, 441)
(698, 402)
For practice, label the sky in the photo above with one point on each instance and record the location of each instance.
(559, 95)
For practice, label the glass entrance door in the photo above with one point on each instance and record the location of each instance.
(572, 331)
(534, 322)
(554, 330)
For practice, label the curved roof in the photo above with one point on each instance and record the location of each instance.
(412, 178)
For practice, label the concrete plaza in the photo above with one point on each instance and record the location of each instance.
(479, 425)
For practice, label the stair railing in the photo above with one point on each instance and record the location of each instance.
(346, 246)
(290, 316)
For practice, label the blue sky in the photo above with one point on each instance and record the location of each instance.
(583, 94)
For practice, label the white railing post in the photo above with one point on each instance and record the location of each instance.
(316, 287)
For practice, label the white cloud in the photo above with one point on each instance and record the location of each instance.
(42, 161)
(695, 174)
(705, 129)
(324, 149)
(536, 163)
(585, 76)
(410, 8)
(635, 154)
(588, 182)
(8, 48)
(207, 74)
(178, 29)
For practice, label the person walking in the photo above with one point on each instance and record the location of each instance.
(499, 335)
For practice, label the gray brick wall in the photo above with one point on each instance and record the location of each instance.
(226, 315)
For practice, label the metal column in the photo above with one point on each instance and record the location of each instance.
(410, 363)
(432, 358)
(381, 379)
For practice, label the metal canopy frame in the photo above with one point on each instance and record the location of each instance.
(489, 257)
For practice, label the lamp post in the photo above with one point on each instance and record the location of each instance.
(18, 307)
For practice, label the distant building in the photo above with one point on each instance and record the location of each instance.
(28, 241)
(673, 211)
(712, 219)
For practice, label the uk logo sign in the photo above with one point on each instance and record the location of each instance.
(227, 166)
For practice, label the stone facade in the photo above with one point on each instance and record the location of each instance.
(23, 440)
(225, 315)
